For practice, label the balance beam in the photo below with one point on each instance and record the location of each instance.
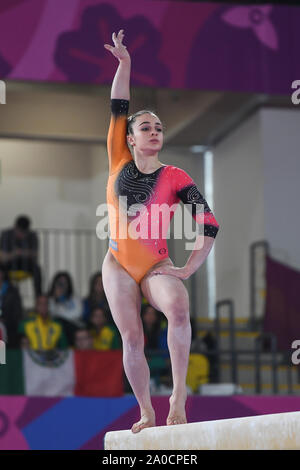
(280, 431)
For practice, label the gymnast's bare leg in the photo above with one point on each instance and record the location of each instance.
(168, 294)
(124, 298)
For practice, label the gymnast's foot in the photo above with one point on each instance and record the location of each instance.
(147, 421)
(177, 413)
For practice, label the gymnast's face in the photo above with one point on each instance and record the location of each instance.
(147, 134)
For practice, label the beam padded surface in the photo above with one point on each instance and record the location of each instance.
(270, 431)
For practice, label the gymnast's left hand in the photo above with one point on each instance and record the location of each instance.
(181, 273)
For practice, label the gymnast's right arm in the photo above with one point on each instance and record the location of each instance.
(117, 147)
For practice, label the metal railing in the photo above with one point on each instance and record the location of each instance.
(259, 346)
(79, 252)
(264, 352)
(232, 348)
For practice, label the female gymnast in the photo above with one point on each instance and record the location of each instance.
(133, 266)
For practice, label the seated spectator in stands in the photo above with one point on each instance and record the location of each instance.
(64, 305)
(41, 331)
(155, 334)
(96, 297)
(83, 339)
(19, 250)
(11, 311)
(3, 336)
(104, 335)
(24, 342)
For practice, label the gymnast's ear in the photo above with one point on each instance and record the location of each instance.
(130, 140)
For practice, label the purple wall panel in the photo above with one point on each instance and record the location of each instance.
(208, 46)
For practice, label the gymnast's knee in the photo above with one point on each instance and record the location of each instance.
(133, 340)
(177, 311)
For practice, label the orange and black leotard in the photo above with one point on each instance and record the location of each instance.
(138, 238)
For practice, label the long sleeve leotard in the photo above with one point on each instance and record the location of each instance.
(141, 205)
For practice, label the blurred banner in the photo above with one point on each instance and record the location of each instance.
(249, 48)
(241, 2)
(62, 373)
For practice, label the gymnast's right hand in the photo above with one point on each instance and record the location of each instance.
(119, 50)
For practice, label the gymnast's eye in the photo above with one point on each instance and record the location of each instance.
(147, 128)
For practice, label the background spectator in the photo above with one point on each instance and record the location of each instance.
(104, 336)
(3, 336)
(154, 333)
(24, 342)
(96, 297)
(64, 305)
(41, 331)
(10, 308)
(83, 339)
(19, 250)
(156, 345)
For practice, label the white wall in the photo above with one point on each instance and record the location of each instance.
(48, 181)
(239, 209)
(257, 194)
(281, 160)
(99, 171)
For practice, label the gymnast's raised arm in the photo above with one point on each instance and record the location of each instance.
(120, 85)
(120, 94)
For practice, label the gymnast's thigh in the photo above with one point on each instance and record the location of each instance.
(123, 294)
(164, 292)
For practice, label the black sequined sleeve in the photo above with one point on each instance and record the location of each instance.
(188, 193)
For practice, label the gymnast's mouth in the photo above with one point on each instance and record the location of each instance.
(154, 140)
